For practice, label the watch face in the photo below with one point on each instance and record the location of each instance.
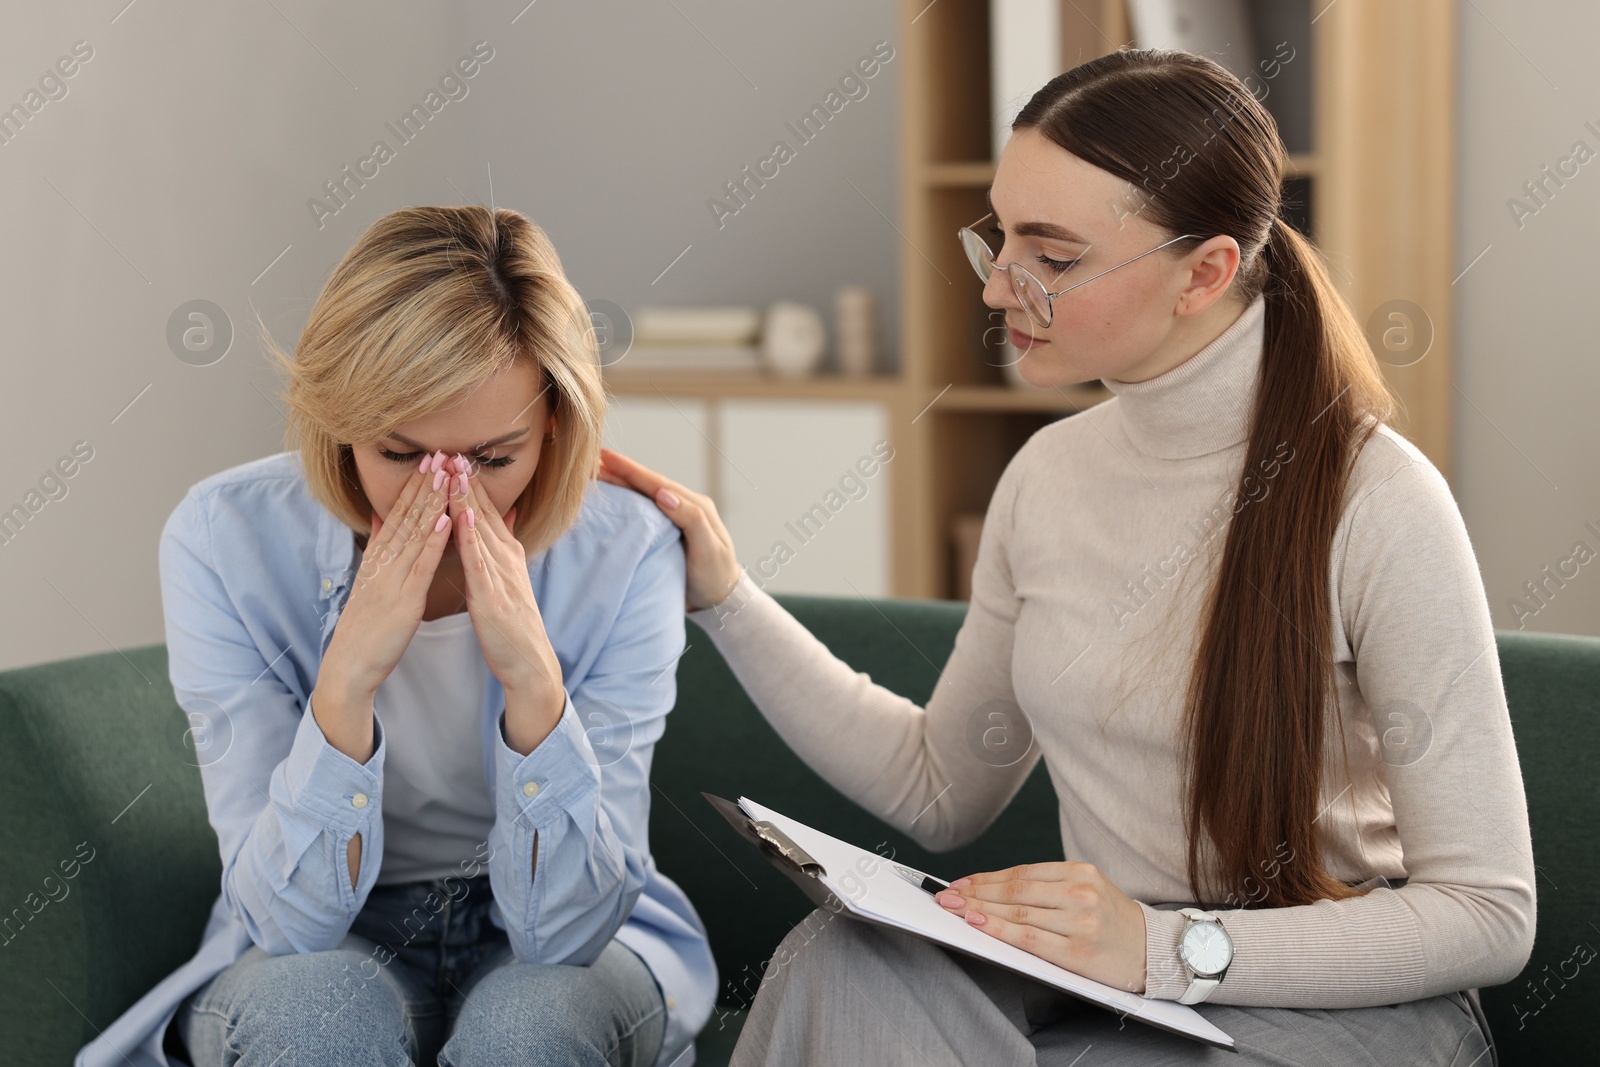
(1206, 948)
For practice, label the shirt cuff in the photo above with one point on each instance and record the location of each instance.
(1165, 976)
(327, 784)
(560, 771)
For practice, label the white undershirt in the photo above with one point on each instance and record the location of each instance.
(437, 811)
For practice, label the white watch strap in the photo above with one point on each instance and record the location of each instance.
(1199, 988)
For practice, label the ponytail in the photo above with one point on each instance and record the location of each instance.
(1255, 714)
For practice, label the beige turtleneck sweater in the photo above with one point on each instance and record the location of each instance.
(1084, 613)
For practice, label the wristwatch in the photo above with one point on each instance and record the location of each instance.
(1206, 950)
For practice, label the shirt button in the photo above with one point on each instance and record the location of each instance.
(327, 584)
(672, 1001)
(359, 800)
(530, 789)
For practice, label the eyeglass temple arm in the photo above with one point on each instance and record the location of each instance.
(1124, 263)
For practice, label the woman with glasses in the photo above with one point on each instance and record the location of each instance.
(1235, 613)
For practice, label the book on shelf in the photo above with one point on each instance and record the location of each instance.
(745, 359)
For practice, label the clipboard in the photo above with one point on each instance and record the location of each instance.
(804, 855)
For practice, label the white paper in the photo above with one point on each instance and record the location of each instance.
(867, 884)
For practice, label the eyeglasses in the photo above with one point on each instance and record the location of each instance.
(1036, 299)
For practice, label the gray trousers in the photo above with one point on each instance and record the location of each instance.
(840, 991)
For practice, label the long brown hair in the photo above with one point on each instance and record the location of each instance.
(1257, 702)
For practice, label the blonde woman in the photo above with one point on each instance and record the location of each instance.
(428, 658)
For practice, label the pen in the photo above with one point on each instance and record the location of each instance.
(925, 882)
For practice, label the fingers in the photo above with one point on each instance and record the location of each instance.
(488, 533)
(1025, 934)
(409, 496)
(713, 564)
(421, 522)
(695, 515)
(686, 508)
(1003, 909)
(620, 470)
(636, 475)
(1031, 872)
(458, 471)
(430, 538)
(468, 501)
(1000, 895)
(639, 478)
(486, 516)
(387, 541)
(432, 549)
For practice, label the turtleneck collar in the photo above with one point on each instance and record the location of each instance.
(1202, 405)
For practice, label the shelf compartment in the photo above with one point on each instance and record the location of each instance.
(970, 450)
(956, 322)
(948, 42)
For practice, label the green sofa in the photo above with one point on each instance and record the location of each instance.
(79, 738)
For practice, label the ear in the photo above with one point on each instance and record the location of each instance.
(1212, 267)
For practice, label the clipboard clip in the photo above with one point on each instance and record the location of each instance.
(775, 840)
(778, 847)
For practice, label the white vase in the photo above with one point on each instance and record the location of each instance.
(855, 327)
(793, 340)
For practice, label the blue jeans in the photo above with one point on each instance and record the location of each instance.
(451, 990)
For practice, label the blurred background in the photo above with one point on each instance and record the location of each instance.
(775, 321)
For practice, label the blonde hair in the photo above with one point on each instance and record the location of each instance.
(429, 304)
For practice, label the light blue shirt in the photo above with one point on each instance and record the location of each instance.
(254, 575)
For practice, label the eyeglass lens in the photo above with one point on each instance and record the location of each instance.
(1027, 288)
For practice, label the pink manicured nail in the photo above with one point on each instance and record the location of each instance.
(438, 478)
(976, 918)
(668, 499)
(426, 462)
(960, 882)
(472, 521)
(462, 479)
(461, 463)
(438, 461)
(444, 520)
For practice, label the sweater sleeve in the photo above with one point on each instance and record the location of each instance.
(940, 774)
(1413, 608)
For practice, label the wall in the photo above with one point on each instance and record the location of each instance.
(1527, 376)
(179, 163)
